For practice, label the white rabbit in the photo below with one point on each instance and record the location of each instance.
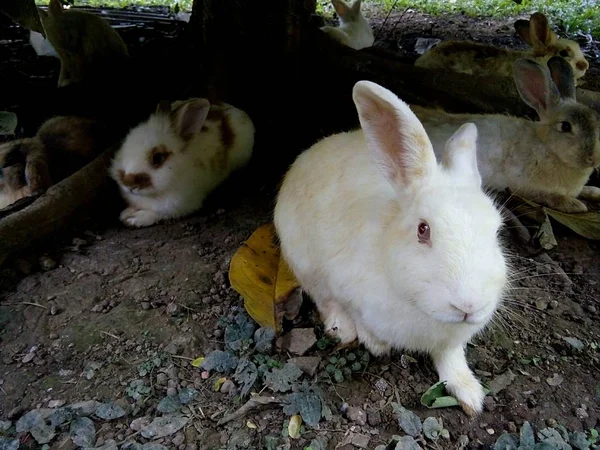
(354, 30)
(168, 165)
(395, 249)
(548, 161)
(41, 45)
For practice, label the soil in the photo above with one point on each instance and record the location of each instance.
(81, 313)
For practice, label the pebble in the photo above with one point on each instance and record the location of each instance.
(172, 384)
(16, 412)
(490, 431)
(205, 374)
(592, 309)
(551, 423)
(47, 263)
(172, 308)
(53, 336)
(161, 378)
(171, 392)
(145, 305)
(227, 387)
(55, 403)
(361, 440)
(179, 439)
(356, 414)
(581, 413)
(172, 348)
(28, 358)
(553, 304)
(139, 423)
(374, 418)
(512, 427)
(172, 373)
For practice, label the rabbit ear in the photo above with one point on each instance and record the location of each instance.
(341, 8)
(534, 85)
(356, 8)
(394, 135)
(522, 28)
(55, 8)
(540, 33)
(460, 155)
(163, 107)
(562, 76)
(189, 117)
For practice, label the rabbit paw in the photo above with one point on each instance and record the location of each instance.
(376, 346)
(591, 193)
(452, 368)
(565, 204)
(337, 322)
(138, 218)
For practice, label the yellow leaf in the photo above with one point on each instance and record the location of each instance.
(198, 361)
(260, 275)
(294, 426)
(251, 424)
(218, 383)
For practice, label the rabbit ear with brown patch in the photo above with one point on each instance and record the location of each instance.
(341, 8)
(540, 33)
(189, 117)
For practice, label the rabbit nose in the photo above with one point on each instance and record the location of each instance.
(135, 180)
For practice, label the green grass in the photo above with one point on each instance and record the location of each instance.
(572, 15)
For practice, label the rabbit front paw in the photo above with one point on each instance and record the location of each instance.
(138, 218)
(338, 323)
(565, 204)
(591, 193)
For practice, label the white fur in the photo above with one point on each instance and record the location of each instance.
(534, 159)
(181, 185)
(354, 30)
(41, 45)
(347, 220)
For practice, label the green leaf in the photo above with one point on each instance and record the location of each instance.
(545, 235)
(246, 374)
(280, 380)
(437, 397)
(220, 361)
(584, 224)
(307, 404)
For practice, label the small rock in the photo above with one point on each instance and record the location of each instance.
(581, 413)
(356, 414)
(553, 304)
(227, 387)
(172, 348)
(512, 427)
(205, 375)
(139, 423)
(552, 423)
(97, 308)
(490, 431)
(298, 341)
(462, 441)
(555, 380)
(171, 392)
(178, 439)
(374, 418)
(574, 342)
(501, 382)
(55, 403)
(5, 425)
(145, 305)
(173, 373)
(53, 310)
(592, 309)
(172, 309)
(28, 358)
(161, 378)
(53, 336)
(489, 403)
(47, 263)
(541, 304)
(360, 440)
(307, 364)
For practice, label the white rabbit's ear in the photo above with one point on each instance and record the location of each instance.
(562, 76)
(341, 8)
(55, 8)
(534, 85)
(460, 155)
(540, 33)
(394, 135)
(190, 116)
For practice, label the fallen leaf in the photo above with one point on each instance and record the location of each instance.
(437, 397)
(23, 12)
(8, 123)
(108, 411)
(506, 441)
(553, 438)
(263, 340)
(43, 433)
(260, 275)
(28, 421)
(187, 394)
(164, 426)
(294, 426)
(527, 436)
(198, 361)
(574, 342)
(250, 424)
(220, 361)
(432, 428)
(407, 443)
(169, 405)
(280, 380)
(218, 383)
(83, 432)
(585, 224)
(408, 420)
(308, 404)
(246, 374)
(9, 444)
(545, 235)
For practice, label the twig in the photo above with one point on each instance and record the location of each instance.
(26, 303)
(182, 357)
(111, 335)
(256, 402)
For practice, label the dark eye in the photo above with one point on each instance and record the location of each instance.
(424, 233)
(158, 159)
(566, 127)
(564, 53)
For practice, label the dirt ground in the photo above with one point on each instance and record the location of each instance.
(102, 309)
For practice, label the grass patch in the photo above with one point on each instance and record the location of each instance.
(184, 5)
(568, 15)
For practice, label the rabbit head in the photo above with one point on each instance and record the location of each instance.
(536, 33)
(348, 13)
(154, 152)
(442, 216)
(570, 129)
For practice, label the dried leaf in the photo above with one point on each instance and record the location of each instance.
(552, 437)
(437, 397)
(24, 12)
(584, 224)
(280, 380)
(246, 374)
(259, 274)
(579, 440)
(263, 340)
(43, 433)
(220, 361)
(408, 420)
(527, 437)
(28, 421)
(308, 404)
(9, 444)
(164, 426)
(83, 432)
(555, 380)
(507, 441)
(62, 415)
(545, 235)
(169, 405)
(187, 394)
(502, 381)
(294, 426)
(239, 331)
(8, 123)
(407, 443)
(108, 411)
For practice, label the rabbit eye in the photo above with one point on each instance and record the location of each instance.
(566, 127)
(424, 233)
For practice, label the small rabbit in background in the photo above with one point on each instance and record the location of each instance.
(488, 60)
(548, 161)
(396, 248)
(354, 30)
(61, 146)
(82, 40)
(169, 164)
